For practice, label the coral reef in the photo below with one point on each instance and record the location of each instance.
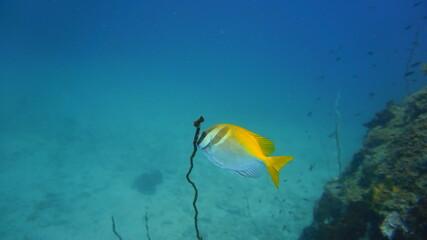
(382, 194)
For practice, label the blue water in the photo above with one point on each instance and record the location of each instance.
(96, 94)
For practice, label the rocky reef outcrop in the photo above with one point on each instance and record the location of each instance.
(382, 194)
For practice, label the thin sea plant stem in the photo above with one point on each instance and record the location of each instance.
(196, 192)
(337, 132)
(408, 62)
(114, 229)
(146, 225)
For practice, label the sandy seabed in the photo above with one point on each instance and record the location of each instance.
(68, 185)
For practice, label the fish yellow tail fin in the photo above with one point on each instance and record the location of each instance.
(274, 164)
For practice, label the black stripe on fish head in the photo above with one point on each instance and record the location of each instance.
(220, 135)
(203, 141)
(201, 138)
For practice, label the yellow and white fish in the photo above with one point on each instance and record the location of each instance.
(241, 151)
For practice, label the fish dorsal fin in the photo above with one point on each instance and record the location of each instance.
(266, 145)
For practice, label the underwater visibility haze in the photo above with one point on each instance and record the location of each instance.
(98, 99)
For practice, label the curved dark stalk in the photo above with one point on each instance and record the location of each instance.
(196, 192)
(337, 132)
(114, 229)
(408, 62)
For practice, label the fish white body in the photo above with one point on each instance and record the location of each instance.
(231, 156)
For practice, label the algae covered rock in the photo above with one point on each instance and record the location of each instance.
(382, 194)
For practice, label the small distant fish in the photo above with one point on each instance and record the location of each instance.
(374, 65)
(408, 74)
(415, 64)
(416, 4)
(371, 94)
(408, 27)
(357, 114)
(370, 53)
(318, 99)
(331, 51)
(372, 7)
(309, 114)
(241, 151)
(337, 59)
(355, 76)
(320, 77)
(311, 166)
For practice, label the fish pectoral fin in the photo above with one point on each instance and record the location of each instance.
(274, 164)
